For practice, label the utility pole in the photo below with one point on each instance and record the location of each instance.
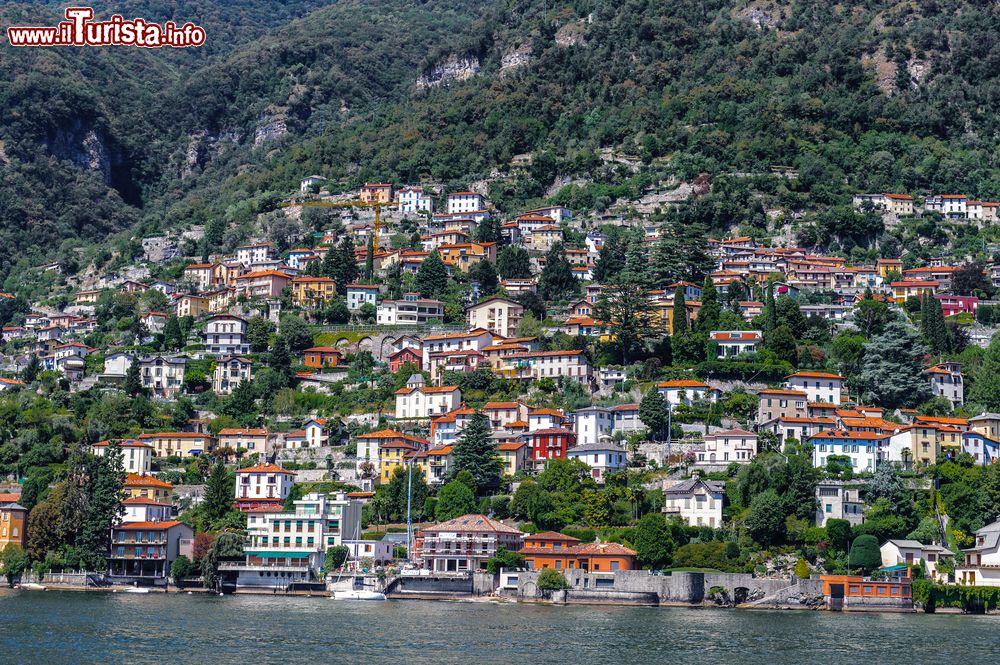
(409, 519)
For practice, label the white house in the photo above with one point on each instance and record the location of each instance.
(263, 486)
(593, 425)
(982, 560)
(144, 509)
(946, 381)
(360, 294)
(983, 449)
(316, 433)
(735, 445)
(136, 455)
(862, 450)
(116, 365)
(734, 342)
(248, 255)
(230, 371)
(225, 334)
(306, 184)
(818, 386)
(602, 458)
(379, 551)
(686, 392)
(837, 500)
(162, 375)
(413, 200)
(499, 316)
(424, 402)
(912, 552)
(545, 418)
(463, 202)
(627, 418)
(476, 339)
(411, 310)
(698, 502)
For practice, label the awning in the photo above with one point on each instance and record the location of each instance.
(280, 555)
(195, 451)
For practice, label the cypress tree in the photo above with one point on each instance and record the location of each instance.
(708, 315)
(219, 492)
(770, 311)
(680, 320)
(369, 259)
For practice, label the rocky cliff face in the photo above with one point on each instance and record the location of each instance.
(453, 69)
(85, 146)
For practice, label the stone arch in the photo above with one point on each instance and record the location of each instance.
(740, 595)
(342, 342)
(365, 344)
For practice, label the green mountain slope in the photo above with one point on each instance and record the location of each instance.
(869, 95)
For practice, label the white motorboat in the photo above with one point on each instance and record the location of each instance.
(31, 586)
(357, 594)
(135, 589)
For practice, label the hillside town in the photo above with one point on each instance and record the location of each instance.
(424, 392)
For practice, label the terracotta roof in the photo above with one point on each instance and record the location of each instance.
(391, 434)
(501, 405)
(545, 411)
(173, 435)
(553, 536)
(243, 432)
(685, 383)
(155, 526)
(265, 468)
(512, 445)
(473, 523)
(815, 375)
(781, 391)
(841, 434)
(143, 501)
(138, 480)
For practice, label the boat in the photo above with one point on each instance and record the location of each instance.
(135, 589)
(357, 594)
(31, 586)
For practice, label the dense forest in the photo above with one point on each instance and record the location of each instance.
(867, 95)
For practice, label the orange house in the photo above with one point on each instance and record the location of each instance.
(843, 591)
(319, 357)
(555, 550)
(13, 518)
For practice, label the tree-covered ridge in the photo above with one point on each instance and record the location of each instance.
(873, 96)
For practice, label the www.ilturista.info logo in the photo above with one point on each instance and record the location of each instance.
(80, 30)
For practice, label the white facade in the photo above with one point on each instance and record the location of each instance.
(360, 294)
(686, 392)
(818, 386)
(226, 335)
(838, 501)
(601, 458)
(698, 502)
(251, 254)
(230, 371)
(411, 310)
(734, 445)
(593, 425)
(264, 482)
(912, 552)
(475, 340)
(413, 200)
(734, 342)
(946, 381)
(462, 202)
(425, 402)
(316, 434)
(162, 375)
(136, 456)
(117, 364)
(982, 560)
(497, 315)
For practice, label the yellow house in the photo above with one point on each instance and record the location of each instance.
(908, 288)
(392, 455)
(87, 297)
(464, 255)
(888, 266)
(312, 291)
(189, 305)
(663, 314)
(147, 487)
(514, 455)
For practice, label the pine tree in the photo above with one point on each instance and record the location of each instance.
(985, 389)
(626, 306)
(347, 264)
(172, 334)
(514, 262)
(484, 273)
(679, 321)
(133, 379)
(432, 277)
(105, 480)
(708, 314)
(611, 257)
(653, 413)
(892, 371)
(476, 452)
(219, 492)
(557, 281)
(31, 370)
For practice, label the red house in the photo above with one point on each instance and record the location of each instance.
(403, 356)
(952, 305)
(546, 444)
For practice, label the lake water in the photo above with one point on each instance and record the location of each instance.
(54, 627)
